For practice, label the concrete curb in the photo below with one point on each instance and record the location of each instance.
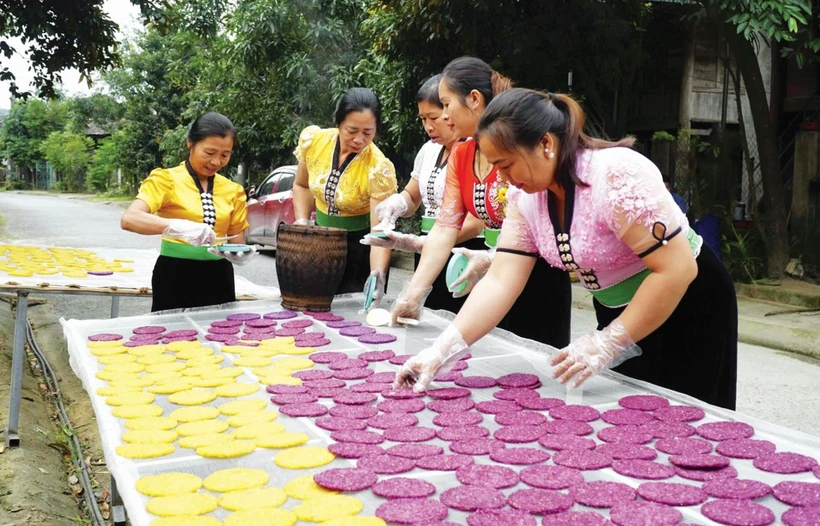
(779, 295)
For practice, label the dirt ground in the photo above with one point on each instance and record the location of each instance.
(37, 482)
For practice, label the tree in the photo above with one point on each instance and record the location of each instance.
(59, 35)
(69, 154)
(26, 127)
(104, 164)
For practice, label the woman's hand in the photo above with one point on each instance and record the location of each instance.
(193, 233)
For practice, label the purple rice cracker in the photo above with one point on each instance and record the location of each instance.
(286, 332)
(385, 377)
(386, 464)
(444, 462)
(576, 518)
(683, 446)
(357, 331)
(388, 420)
(519, 434)
(451, 406)
(181, 333)
(222, 338)
(472, 498)
(466, 418)
(286, 389)
(341, 324)
(679, 413)
(637, 513)
(624, 451)
(625, 433)
(506, 516)
(736, 489)
(517, 380)
(540, 404)
(747, 448)
(672, 493)
(243, 316)
(346, 479)
(365, 387)
(313, 374)
(335, 423)
(448, 393)
(519, 456)
(476, 446)
(452, 434)
(260, 323)
(643, 402)
(584, 459)
(105, 337)
(308, 336)
(357, 436)
(331, 383)
(227, 323)
(403, 488)
(327, 356)
(399, 359)
(578, 413)
(643, 469)
(699, 461)
(809, 516)
(601, 493)
(346, 363)
(784, 463)
(449, 376)
(661, 429)
(551, 477)
(568, 427)
(414, 451)
(312, 410)
(376, 356)
(566, 443)
(354, 450)
(413, 405)
(313, 342)
(497, 477)
(620, 417)
(326, 392)
(705, 475)
(797, 493)
(515, 394)
(518, 418)
(150, 329)
(495, 407)
(280, 315)
(476, 382)
(719, 431)
(326, 316)
(297, 324)
(737, 512)
(360, 412)
(409, 434)
(377, 338)
(304, 398)
(351, 398)
(540, 501)
(411, 511)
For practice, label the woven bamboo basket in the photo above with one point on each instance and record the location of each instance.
(310, 264)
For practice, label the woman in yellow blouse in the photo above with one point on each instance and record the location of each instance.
(191, 205)
(344, 176)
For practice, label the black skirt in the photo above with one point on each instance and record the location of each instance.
(180, 283)
(440, 297)
(542, 311)
(695, 351)
(357, 268)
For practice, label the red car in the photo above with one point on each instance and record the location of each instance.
(270, 205)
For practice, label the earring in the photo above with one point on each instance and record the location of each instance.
(551, 155)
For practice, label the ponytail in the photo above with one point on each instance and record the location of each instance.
(466, 74)
(521, 117)
(500, 83)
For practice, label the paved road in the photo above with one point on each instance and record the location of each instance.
(776, 386)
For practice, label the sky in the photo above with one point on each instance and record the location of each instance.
(123, 12)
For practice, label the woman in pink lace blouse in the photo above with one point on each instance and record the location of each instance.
(662, 299)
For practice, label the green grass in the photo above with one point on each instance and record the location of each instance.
(110, 198)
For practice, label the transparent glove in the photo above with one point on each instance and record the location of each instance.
(479, 264)
(237, 258)
(302, 222)
(196, 234)
(594, 352)
(410, 303)
(437, 359)
(390, 210)
(396, 241)
(380, 288)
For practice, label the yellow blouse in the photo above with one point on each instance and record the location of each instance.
(172, 193)
(369, 175)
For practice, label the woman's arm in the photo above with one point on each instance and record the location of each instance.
(412, 194)
(379, 257)
(138, 218)
(471, 228)
(303, 201)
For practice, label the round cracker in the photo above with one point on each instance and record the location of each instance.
(187, 504)
(168, 484)
(303, 457)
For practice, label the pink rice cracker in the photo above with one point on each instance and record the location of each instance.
(566, 442)
(628, 434)
(672, 493)
(507, 517)
(624, 451)
(520, 418)
(745, 448)
(292, 331)
(385, 377)
(466, 418)
(181, 333)
(737, 512)
(568, 427)
(313, 342)
(388, 420)
(683, 446)
(448, 393)
(286, 389)
(351, 398)
(227, 323)
(282, 399)
(576, 518)
(487, 475)
(800, 516)
(104, 337)
(449, 376)
(410, 434)
(476, 446)
(327, 356)
(280, 315)
(643, 469)
(471, 498)
(357, 331)
(444, 462)
(365, 387)
(411, 511)
(325, 383)
(451, 406)
(256, 324)
(150, 329)
(578, 413)
(346, 479)
(243, 316)
(403, 394)
(519, 434)
(551, 477)
(620, 417)
(736, 489)
(335, 423)
(354, 411)
(341, 324)
(399, 359)
(679, 413)
(451, 434)
(325, 316)
(377, 356)
(584, 459)
(725, 430)
(377, 338)
(540, 404)
(297, 324)
(601, 493)
(785, 463)
(354, 450)
(386, 464)
(643, 402)
(401, 406)
(476, 382)
(517, 380)
(519, 456)
(797, 493)
(414, 451)
(705, 475)
(515, 394)
(699, 461)
(303, 409)
(668, 429)
(540, 501)
(403, 488)
(313, 374)
(637, 513)
(359, 437)
(495, 407)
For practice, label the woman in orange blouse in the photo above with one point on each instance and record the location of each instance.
(191, 205)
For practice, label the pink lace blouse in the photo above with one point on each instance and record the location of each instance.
(625, 210)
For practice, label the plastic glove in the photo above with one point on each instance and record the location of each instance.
(594, 352)
(410, 303)
(196, 234)
(301, 222)
(437, 359)
(396, 241)
(378, 295)
(389, 210)
(237, 258)
(479, 264)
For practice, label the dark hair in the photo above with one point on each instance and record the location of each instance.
(358, 99)
(521, 117)
(466, 74)
(211, 124)
(428, 92)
